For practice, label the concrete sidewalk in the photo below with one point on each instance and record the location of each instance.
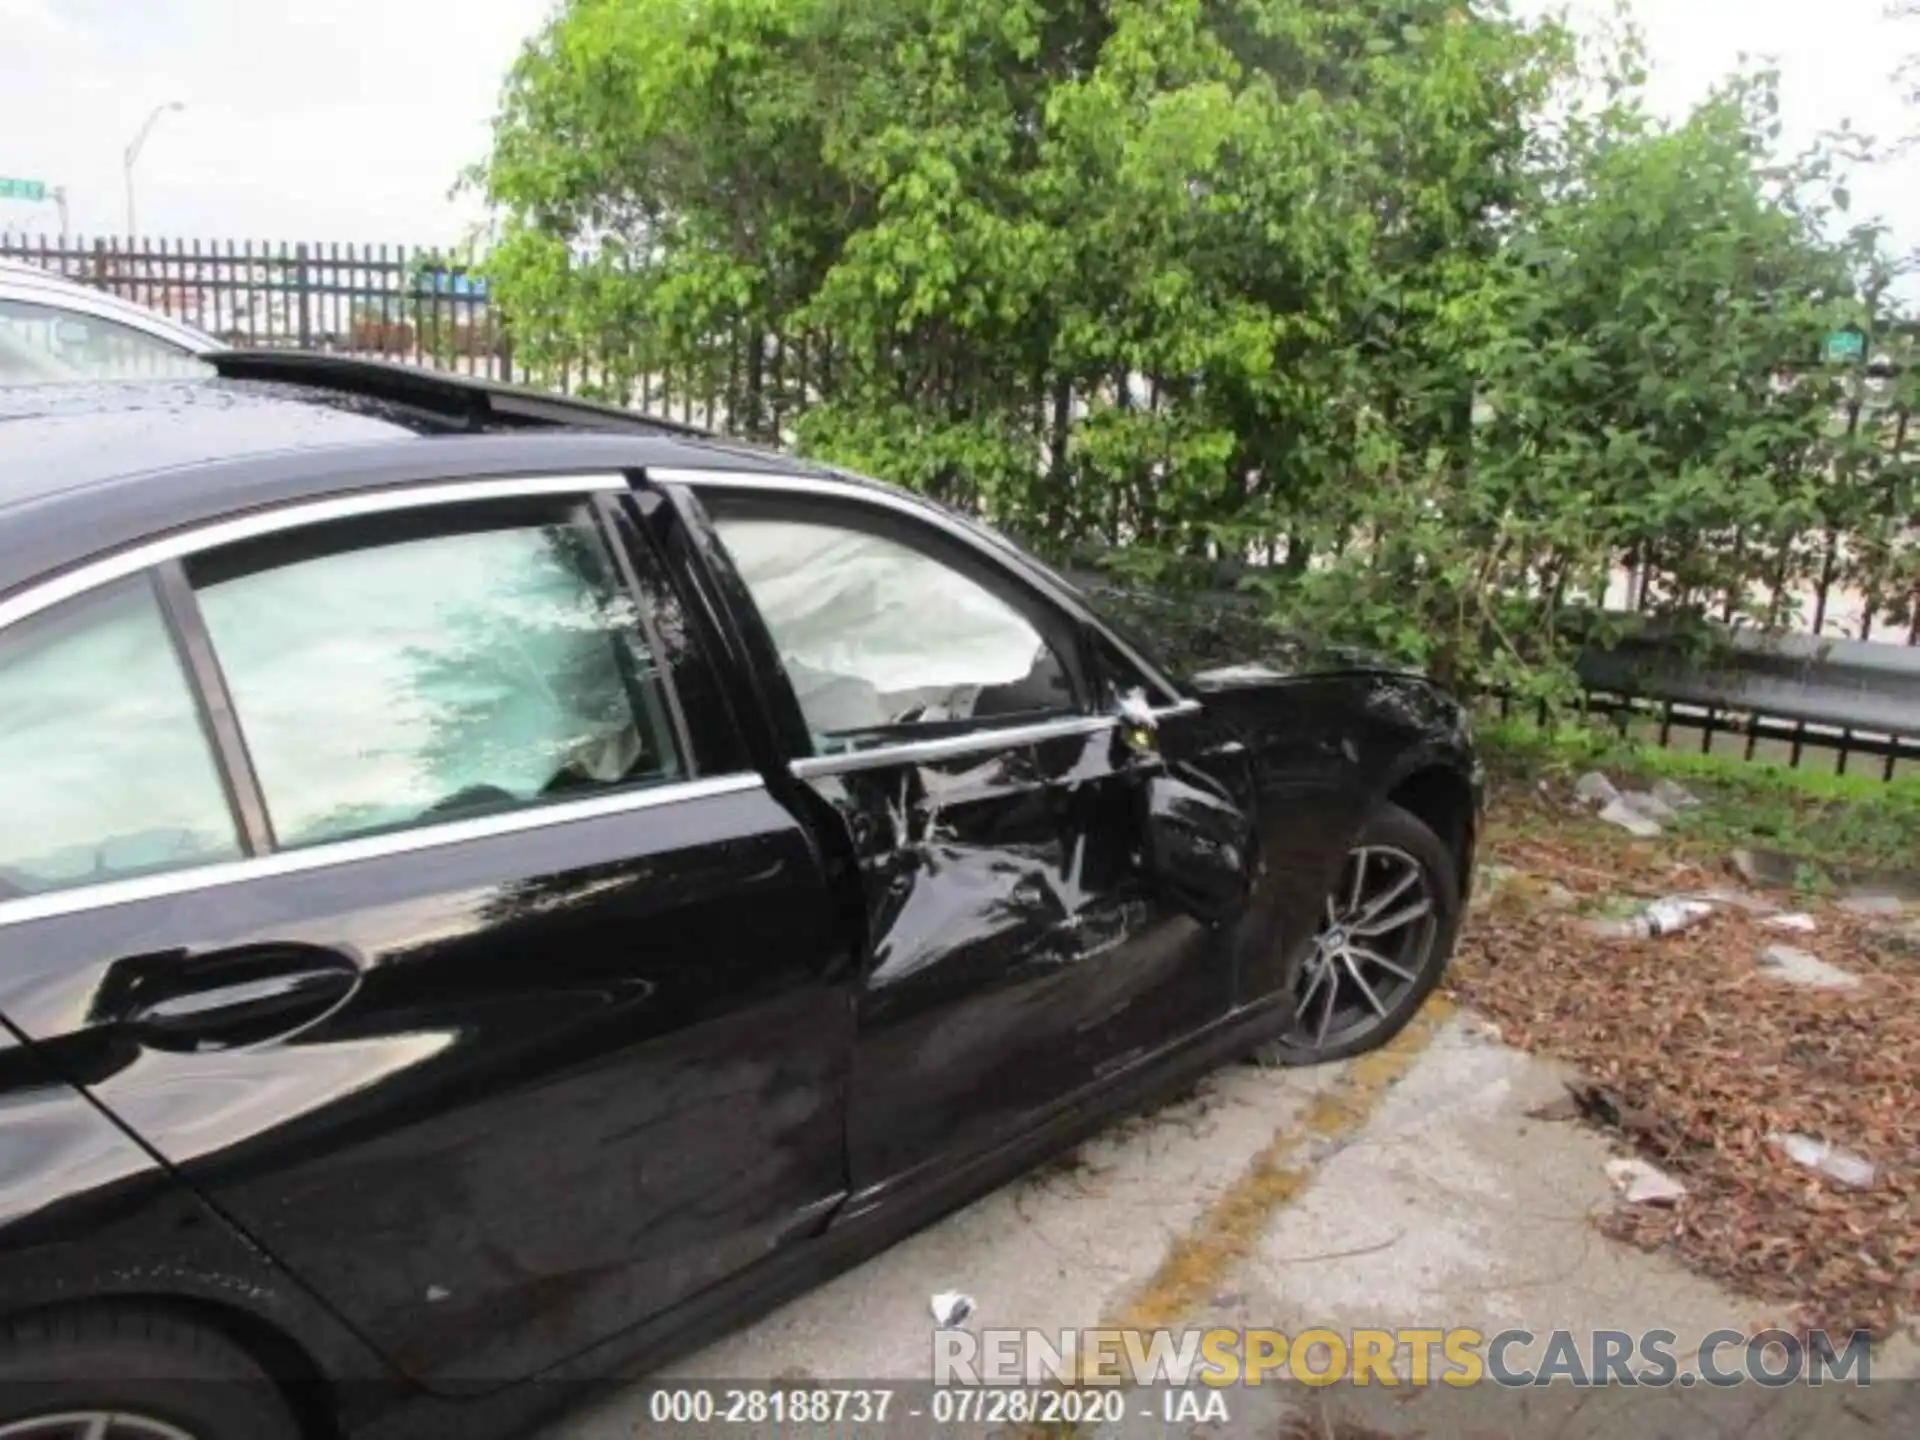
(1405, 1189)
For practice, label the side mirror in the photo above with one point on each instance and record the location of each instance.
(1139, 727)
(1200, 848)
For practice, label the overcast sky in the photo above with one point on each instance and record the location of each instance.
(349, 120)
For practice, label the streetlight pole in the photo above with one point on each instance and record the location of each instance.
(133, 152)
(59, 194)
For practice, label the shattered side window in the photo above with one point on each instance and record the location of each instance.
(384, 682)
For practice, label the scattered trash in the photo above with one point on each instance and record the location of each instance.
(1701, 1057)
(1803, 967)
(1642, 1184)
(1662, 917)
(1676, 795)
(1595, 789)
(1842, 1167)
(951, 1308)
(1798, 921)
(1651, 806)
(1618, 812)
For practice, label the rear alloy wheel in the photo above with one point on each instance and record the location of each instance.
(1386, 932)
(92, 1425)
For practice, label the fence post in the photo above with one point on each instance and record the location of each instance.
(304, 292)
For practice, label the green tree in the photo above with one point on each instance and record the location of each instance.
(1390, 309)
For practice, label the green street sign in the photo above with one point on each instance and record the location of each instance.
(22, 189)
(1844, 345)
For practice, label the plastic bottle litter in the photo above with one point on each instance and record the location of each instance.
(1662, 917)
(951, 1308)
(1842, 1167)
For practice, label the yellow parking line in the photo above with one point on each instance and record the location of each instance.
(1202, 1259)
(1224, 1233)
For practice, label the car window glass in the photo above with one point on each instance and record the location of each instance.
(876, 635)
(44, 343)
(439, 677)
(1120, 675)
(106, 771)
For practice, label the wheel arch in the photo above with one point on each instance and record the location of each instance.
(1436, 791)
(309, 1393)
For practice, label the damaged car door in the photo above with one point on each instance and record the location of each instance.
(994, 817)
(471, 971)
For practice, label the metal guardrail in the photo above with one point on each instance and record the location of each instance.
(1848, 696)
(1846, 684)
(1800, 692)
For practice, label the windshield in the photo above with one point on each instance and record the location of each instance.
(44, 344)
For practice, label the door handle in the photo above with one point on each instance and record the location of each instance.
(234, 998)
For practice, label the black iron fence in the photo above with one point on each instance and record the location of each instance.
(416, 305)
(377, 300)
(421, 306)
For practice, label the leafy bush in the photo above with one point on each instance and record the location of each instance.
(1401, 314)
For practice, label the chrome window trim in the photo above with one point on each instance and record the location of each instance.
(331, 853)
(913, 752)
(779, 484)
(143, 556)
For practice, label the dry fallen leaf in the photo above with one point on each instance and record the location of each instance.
(1691, 1058)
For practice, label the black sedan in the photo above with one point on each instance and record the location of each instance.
(493, 889)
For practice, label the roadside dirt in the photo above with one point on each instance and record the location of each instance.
(1694, 1055)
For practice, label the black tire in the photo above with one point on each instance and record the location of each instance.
(1390, 832)
(160, 1372)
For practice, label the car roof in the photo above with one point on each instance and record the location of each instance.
(88, 468)
(48, 287)
(91, 468)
